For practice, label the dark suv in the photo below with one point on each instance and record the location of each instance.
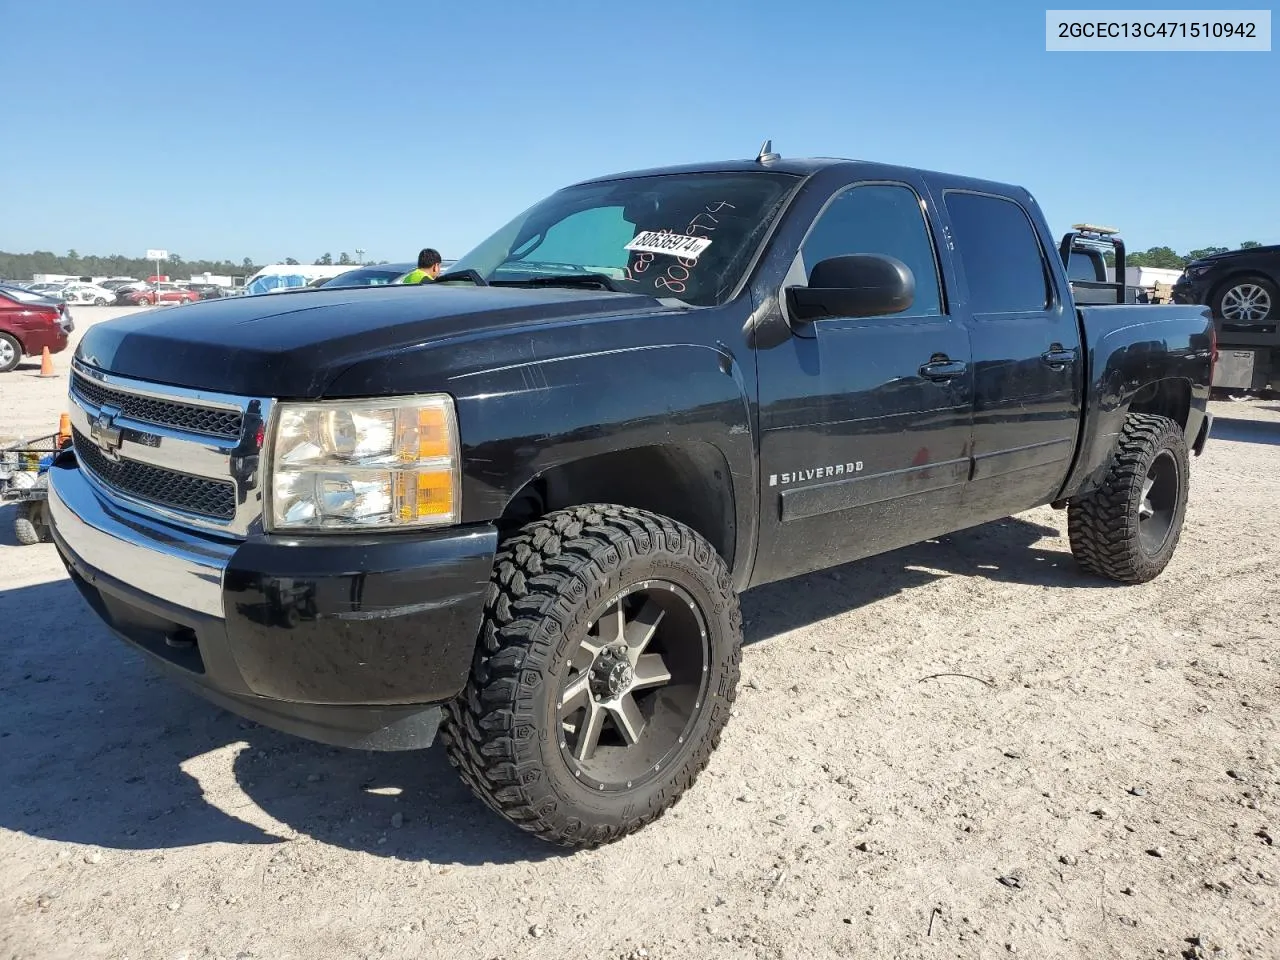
(1241, 287)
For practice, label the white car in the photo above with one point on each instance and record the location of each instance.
(87, 293)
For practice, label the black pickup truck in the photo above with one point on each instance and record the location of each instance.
(519, 504)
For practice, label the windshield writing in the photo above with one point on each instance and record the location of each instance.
(689, 236)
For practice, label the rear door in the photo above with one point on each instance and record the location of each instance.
(864, 421)
(1027, 360)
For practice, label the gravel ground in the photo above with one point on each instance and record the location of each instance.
(961, 749)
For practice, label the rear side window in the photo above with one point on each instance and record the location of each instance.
(1000, 252)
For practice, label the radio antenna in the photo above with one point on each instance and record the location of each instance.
(766, 154)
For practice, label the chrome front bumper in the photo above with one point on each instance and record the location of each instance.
(165, 562)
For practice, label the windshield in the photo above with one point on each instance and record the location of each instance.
(688, 236)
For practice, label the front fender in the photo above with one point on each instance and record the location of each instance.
(521, 420)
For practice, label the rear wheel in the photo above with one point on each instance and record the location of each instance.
(607, 665)
(1129, 527)
(99, 301)
(10, 352)
(1247, 300)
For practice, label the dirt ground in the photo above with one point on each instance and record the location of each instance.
(962, 749)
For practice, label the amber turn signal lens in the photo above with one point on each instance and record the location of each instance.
(424, 495)
(433, 433)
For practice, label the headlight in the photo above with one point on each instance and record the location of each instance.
(343, 465)
(1198, 271)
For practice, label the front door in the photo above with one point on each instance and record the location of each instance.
(865, 423)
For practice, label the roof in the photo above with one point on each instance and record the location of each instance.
(806, 167)
(796, 167)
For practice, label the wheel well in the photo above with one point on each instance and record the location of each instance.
(687, 482)
(1165, 398)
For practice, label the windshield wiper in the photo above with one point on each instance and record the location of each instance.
(472, 275)
(596, 280)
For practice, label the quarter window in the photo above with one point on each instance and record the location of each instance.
(1002, 260)
(885, 219)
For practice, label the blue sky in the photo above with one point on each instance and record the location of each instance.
(294, 128)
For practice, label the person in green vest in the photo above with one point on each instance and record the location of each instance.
(428, 267)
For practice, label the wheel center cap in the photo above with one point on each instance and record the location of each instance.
(611, 676)
(620, 678)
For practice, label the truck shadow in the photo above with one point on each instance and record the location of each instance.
(1246, 431)
(1004, 551)
(101, 751)
(8, 513)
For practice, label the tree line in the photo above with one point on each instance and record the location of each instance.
(23, 266)
(1166, 258)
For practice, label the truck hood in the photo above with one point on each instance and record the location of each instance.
(294, 344)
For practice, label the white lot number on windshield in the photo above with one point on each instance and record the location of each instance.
(672, 244)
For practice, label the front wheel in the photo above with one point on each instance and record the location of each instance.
(10, 353)
(607, 665)
(99, 301)
(1128, 528)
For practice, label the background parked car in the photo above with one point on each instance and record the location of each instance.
(1240, 286)
(48, 289)
(117, 284)
(370, 276)
(87, 293)
(154, 293)
(30, 322)
(206, 291)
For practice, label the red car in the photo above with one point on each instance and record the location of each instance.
(149, 296)
(30, 322)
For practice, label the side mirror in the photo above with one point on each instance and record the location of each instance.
(857, 285)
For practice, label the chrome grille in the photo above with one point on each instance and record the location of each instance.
(168, 488)
(191, 457)
(161, 412)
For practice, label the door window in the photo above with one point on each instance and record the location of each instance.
(1000, 252)
(879, 218)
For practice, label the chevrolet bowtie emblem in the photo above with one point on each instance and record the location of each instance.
(104, 432)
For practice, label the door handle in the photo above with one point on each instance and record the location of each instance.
(940, 369)
(1058, 358)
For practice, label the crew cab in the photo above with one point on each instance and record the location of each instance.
(518, 505)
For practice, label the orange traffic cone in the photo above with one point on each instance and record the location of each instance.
(46, 364)
(64, 430)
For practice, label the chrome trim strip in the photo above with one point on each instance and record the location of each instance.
(179, 567)
(157, 391)
(196, 454)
